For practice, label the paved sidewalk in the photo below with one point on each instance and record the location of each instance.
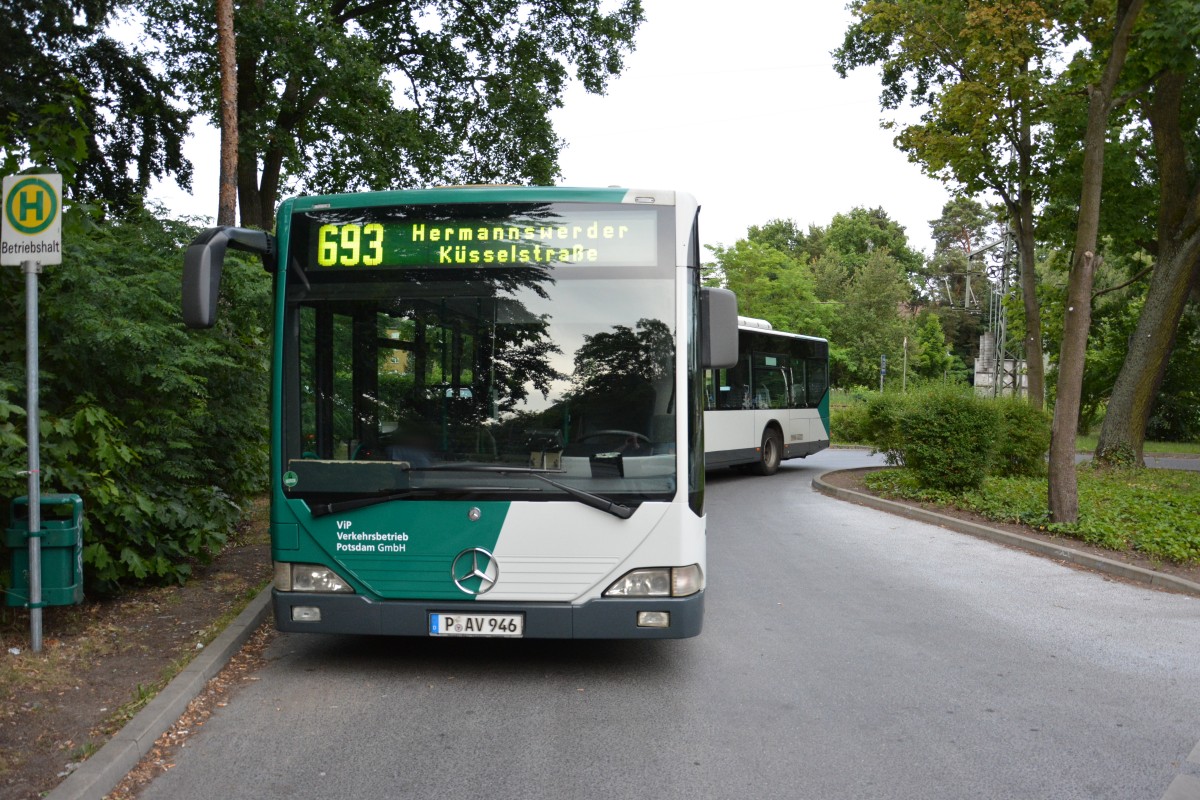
(100, 774)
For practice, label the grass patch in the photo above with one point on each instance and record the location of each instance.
(1087, 444)
(1155, 512)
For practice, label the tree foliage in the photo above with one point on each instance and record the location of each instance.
(785, 236)
(772, 285)
(928, 352)
(341, 95)
(976, 68)
(75, 100)
(856, 236)
(868, 325)
(978, 72)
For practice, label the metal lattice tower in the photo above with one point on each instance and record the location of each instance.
(1004, 369)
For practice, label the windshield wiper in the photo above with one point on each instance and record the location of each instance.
(589, 499)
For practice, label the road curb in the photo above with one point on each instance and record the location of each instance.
(97, 776)
(1099, 563)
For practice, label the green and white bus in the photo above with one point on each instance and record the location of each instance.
(486, 409)
(773, 405)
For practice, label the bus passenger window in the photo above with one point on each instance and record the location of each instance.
(798, 385)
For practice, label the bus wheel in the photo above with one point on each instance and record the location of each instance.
(770, 454)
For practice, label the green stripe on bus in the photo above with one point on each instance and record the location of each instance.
(403, 550)
(823, 410)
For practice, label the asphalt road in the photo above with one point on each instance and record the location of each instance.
(846, 654)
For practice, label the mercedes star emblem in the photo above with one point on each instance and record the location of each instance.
(475, 571)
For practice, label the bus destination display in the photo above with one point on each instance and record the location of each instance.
(566, 238)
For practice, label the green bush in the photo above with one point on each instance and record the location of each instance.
(886, 429)
(1176, 417)
(949, 437)
(160, 430)
(1024, 438)
(848, 424)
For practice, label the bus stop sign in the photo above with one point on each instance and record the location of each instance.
(31, 222)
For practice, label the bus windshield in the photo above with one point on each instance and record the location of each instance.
(432, 342)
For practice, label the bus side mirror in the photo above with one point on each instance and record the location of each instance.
(718, 329)
(202, 264)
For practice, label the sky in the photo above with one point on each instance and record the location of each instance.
(735, 102)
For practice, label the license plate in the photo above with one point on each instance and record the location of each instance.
(476, 624)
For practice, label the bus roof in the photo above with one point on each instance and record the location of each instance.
(486, 194)
(764, 327)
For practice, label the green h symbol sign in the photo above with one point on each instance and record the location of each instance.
(32, 206)
(31, 199)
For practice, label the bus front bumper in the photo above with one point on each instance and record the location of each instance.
(605, 618)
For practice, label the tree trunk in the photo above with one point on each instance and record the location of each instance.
(1176, 274)
(268, 185)
(227, 56)
(1063, 491)
(1034, 364)
(248, 97)
(1123, 433)
(248, 195)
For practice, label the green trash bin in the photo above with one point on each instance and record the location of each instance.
(62, 550)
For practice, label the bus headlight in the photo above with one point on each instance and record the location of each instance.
(658, 582)
(308, 578)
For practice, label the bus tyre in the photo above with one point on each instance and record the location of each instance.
(770, 454)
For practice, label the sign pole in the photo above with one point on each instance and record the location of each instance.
(31, 236)
(32, 269)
